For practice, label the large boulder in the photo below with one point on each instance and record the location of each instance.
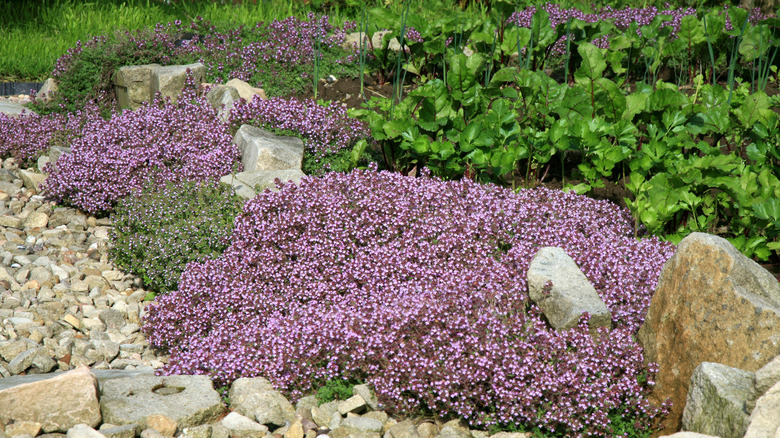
(169, 80)
(187, 400)
(57, 403)
(765, 419)
(716, 400)
(133, 85)
(712, 304)
(257, 399)
(262, 150)
(562, 291)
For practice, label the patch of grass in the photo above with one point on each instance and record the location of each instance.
(336, 389)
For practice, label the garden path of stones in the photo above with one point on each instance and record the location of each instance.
(62, 303)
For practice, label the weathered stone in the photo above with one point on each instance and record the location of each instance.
(14, 109)
(262, 150)
(83, 431)
(377, 415)
(246, 91)
(427, 430)
(134, 85)
(169, 80)
(455, 429)
(257, 399)
(243, 426)
(23, 428)
(22, 361)
(32, 180)
(346, 432)
(354, 404)
(47, 91)
(765, 419)
(688, 435)
(36, 219)
(712, 304)
(295, 430)
(162, 423)
(767, 376)
(362, 424)
(562, 291)
(404, 429)
(126, 431)
(249, 184)
(716, 400)
(222, 98)
(59, 403)
(367, 394)
(188, 400)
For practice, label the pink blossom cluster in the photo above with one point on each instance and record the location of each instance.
(157, 143)
(418, 287)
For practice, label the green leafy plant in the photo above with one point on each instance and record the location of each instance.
(162, 229)
(335, 389)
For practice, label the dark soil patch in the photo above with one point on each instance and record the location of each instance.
(347, 91)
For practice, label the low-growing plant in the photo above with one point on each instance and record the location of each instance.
(418, 287)
(162, 228)
(157, 143)
(335, 389)
(329, 134)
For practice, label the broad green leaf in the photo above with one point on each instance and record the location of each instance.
(753, 109)
(593, 64)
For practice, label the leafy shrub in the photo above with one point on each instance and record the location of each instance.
(161, 229)
(327, 131)
(159, 142)
(418, 288)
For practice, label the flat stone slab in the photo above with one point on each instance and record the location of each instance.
(14, 109)
(188, 400)
(101, 375)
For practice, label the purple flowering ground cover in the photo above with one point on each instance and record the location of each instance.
(160, 142)
(417, 286)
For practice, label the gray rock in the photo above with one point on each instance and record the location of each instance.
(570, 295)
(83, 431)
(404, 429)
(257, 399)
(362, 424)
(765, 419)
(126, 431)
(240, 425)
(47, 91)
(716, 400)
(249, 184)
(354, 404)
(222, 98)
(113, 319)
(169, 80)
(455, 429)
(262, 150)
(59, 402)
(246, 91)
(767, 376)
(133, 85)
(22, 361)
(688, 435)
(188, 400)
(32, 180)
(14, 109)
(367, 394)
